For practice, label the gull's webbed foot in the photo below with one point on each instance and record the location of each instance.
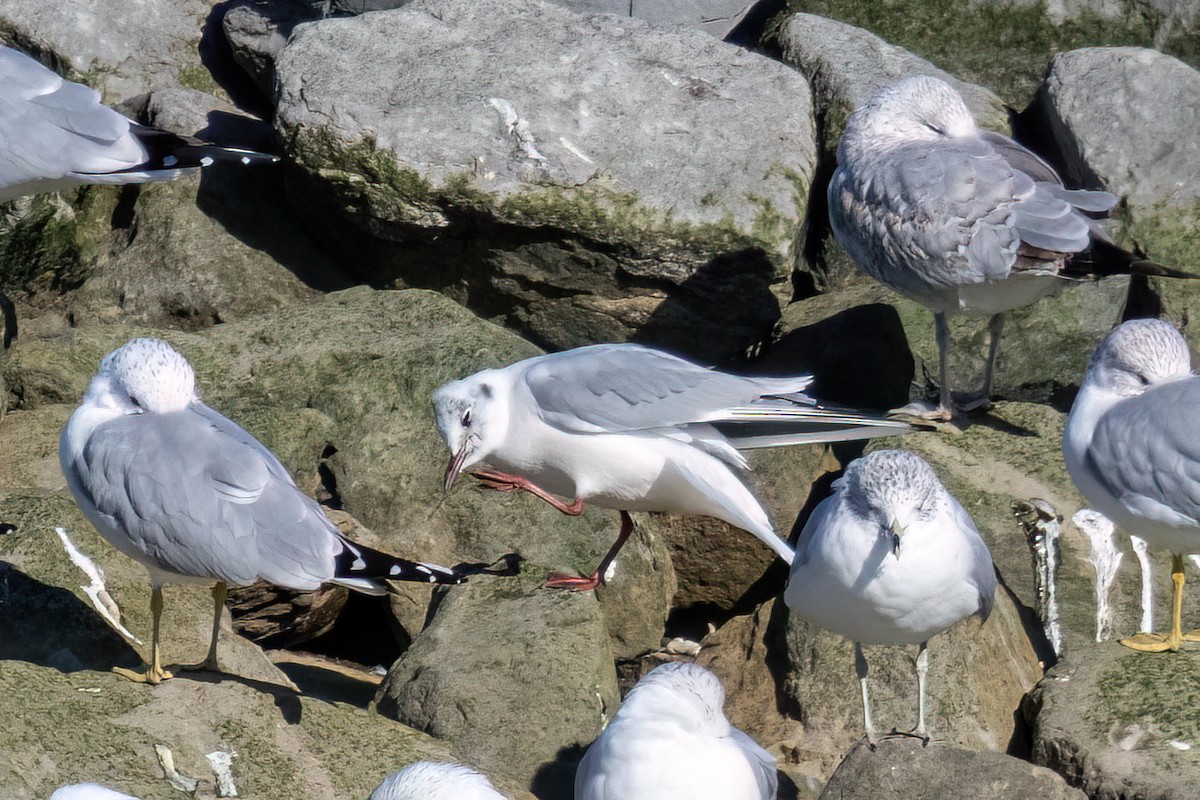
(924, 410)
(573, 583)
(152, 675)
(1156, 642)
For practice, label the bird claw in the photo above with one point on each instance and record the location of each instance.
(151, 676)
(572, 583)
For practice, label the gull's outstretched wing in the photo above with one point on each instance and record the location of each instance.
(627, 387)
(1145, 452)
(194, 494)
(55, 134)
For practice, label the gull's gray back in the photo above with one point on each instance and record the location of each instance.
(196, 495)
(626, 387)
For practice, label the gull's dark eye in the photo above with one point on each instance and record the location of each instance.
(466, 418)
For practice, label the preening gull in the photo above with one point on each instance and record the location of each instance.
(634, 429)
(182, 489)
(55, 134)
(890, 558)
(959, 219)
(429, 780)
(1131, 447)
(670, 738)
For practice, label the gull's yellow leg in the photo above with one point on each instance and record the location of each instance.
(1157, 642)
(154, 674)
(219, 592)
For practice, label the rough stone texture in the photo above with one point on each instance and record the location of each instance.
(1075, 320)
(1120, 724)
(258, 29)
(904, 768)
(122, 49)
(977, 676)
(1168, 16)
(582, 235)
(715, 17)
(495, 653)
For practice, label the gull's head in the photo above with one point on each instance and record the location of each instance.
(688, 693)
(1139, 354)
(917, 109)
(471, 417)
(143, 376)
(894, 489)
(429, 780)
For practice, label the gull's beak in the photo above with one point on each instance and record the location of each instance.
(897, 531)
(454, 468)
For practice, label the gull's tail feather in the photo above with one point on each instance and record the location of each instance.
(368, 571)
(779, 423)
(1106, 258)
(169, 155)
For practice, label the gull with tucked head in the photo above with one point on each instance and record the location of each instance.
(634, 429)
(890, 558)
(187, 493)
(671, 738)
(1130, 445)
(961, 219)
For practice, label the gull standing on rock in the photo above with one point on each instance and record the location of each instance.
(183, 490)
(670, 739)
(429, 780)
(55, 134)
(959, 219)
(890, 558)
(1132, 448)
(635, 429)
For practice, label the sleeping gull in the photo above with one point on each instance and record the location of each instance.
(180, 488)
(959, 219)
(890, 558)
(429, 780)
(1130, 445)
(670, 738)
(634, 429)
(55, 134)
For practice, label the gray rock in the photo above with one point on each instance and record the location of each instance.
(258, 30)
(521, 192)
(715, 17)
(904, 768)
(1120, 724)
(122, 49)
(511, 674)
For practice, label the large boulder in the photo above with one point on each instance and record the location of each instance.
(589, 178)
(904, 768)
(257, 31)
(515, 676)
(1120, 724)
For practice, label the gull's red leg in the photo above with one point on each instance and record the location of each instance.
(503, 482)
(575, 584)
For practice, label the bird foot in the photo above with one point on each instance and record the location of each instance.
(924, 411)
(1158, 642)
(975, 401)
(498, 481)
(207, 665)
(152, 676)
(915, 733)
(573, 583)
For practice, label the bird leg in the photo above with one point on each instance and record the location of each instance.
(944, 410)
(1157, 642)
(503, 482)
(860, 669)
(154, 674)
(576, 584)
(209, 664)
(922, 669)
(983, 400)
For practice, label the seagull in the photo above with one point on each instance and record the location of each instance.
(1131, 448)
(634, 429)
(670, 738)
(890, 558)
(183, 490)
(55, 134)
(88, 791)
(959, 219)
(429, 780)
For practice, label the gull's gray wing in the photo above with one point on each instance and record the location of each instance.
(1146, 453)
(762, 762)
(626, 387)
(198, 496)
(950, 212)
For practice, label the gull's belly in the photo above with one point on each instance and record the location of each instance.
(997, 297)
(861, 590)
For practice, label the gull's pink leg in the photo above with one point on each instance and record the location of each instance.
(559, 581)
(503, 482)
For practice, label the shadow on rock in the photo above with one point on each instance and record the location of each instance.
(555, 780)
(50, 626)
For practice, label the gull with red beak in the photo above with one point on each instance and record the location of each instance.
(635, 429)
